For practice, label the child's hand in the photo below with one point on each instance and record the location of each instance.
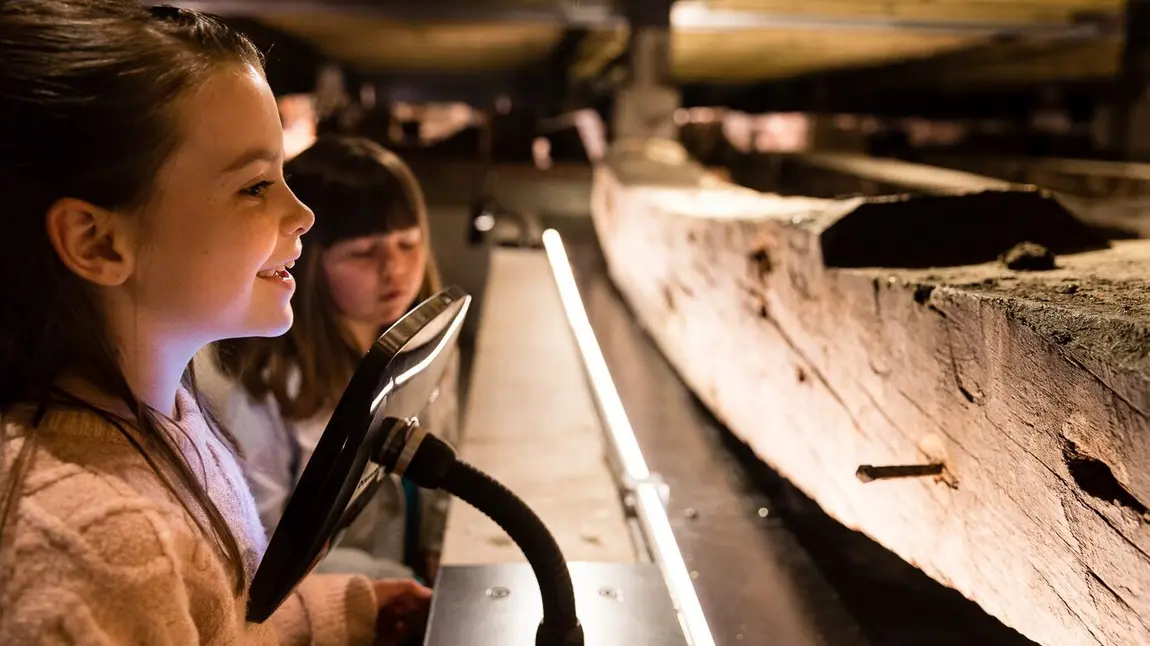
(403, 608)
(432, 566)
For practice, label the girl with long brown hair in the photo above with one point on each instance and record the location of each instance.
(145, 215)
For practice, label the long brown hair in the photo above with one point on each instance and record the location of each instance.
(355, 187)
(87, 91)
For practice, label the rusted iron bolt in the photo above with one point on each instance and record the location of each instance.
(868, 473)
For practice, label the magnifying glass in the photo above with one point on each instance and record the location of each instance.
(373, 425)
(374, 432)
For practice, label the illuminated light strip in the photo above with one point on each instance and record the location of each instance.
(648, 501)
(653, 516)
(618, 426)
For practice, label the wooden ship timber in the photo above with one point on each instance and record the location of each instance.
(829, 334)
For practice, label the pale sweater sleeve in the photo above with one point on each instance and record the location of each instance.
(339, 603)
(107, 568)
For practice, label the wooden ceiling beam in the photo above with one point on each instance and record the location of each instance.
(585, 13)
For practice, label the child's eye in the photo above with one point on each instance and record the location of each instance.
(257, 189)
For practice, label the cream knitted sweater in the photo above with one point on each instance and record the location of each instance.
(102, 553)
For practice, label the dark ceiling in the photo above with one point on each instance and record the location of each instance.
(764, 52)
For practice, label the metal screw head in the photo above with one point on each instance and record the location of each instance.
(691, 512)
(498, 592)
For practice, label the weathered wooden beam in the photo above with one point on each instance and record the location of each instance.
(954, 12)
(381, 46)
(820, 333)
(1004, 64)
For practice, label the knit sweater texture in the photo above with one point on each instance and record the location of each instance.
(101, 552)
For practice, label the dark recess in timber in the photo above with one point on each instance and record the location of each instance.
(761, 260)
(966, 394)
(921, 231)
(922, 293)
(1096, 479)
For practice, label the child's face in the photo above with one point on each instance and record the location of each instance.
(375, 279)
(221, 215)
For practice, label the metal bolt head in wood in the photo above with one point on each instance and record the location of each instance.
(869, 473)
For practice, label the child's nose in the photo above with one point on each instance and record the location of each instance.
(299, 218)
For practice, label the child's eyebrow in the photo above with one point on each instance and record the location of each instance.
(250, 157)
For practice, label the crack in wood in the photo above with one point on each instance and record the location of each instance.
(799, 282)
(1102, 382)
(817, 373)
(1117, 530)
(1117, 597)
(1089, 628)
(1072, 488)
(876, 370)
(969, 396)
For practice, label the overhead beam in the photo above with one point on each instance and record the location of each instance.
(1007, 63)
(686, 16)
(697, 15)
(1016, 68)
(586, 13)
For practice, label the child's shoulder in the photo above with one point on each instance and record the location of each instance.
(85, 489)
(96, 531)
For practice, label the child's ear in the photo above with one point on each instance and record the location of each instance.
(95, 243)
